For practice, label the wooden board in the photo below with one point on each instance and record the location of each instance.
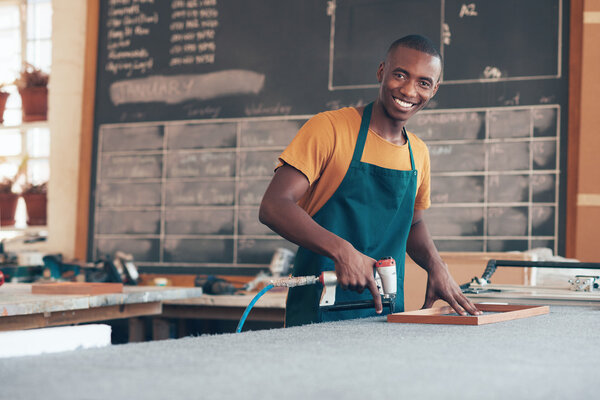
(439, 315)
(76, 288)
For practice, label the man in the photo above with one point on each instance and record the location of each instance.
(352, 187)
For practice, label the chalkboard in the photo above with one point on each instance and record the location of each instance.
(195, 100)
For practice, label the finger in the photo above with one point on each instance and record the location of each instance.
(468, 305)
(454, 304)
(372, 286)
(353, 285)
(429, 300)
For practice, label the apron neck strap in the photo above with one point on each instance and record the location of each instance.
(362, 133)
(362, 136)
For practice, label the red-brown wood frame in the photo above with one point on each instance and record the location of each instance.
(438, 315)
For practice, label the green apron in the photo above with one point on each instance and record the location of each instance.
(372, 209)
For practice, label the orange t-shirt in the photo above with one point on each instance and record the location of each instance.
(323, 148)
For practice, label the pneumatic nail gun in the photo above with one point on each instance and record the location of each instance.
(385, 277)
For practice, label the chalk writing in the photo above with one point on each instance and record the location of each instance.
(467, 10)
(446, 34)
(129, 20)
(179, 88)
(193, 29)
(261, 109)
(492, 73)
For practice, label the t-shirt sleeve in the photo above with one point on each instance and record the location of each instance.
(312, 147)
(423, 198)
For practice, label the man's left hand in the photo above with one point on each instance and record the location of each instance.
(440, 285)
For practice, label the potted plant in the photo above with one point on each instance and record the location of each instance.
(8, 202)
(33, 88)
(9, 197)
(36, 198)
(3, 97)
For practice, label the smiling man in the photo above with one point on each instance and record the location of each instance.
(352, 187)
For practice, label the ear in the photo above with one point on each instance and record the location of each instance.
(435, 88)
(380, 72)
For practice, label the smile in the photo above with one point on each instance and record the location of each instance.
(402, 103)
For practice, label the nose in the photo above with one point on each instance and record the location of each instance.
(408, 89)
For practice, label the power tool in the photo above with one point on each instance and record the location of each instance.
(385, 277)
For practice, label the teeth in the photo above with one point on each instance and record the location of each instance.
(403, 103)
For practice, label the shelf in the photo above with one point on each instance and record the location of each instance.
(24, 229)
(25, 125)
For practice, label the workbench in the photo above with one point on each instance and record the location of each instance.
(19, 309)
(218, 313)
(269, 308)
(553, 356)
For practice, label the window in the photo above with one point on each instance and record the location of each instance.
(25, 36)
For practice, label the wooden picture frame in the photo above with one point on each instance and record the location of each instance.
(438, 315)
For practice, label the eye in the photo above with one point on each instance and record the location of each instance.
(399, 75)
(425, 84)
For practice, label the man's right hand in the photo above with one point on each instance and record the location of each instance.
(354, 271)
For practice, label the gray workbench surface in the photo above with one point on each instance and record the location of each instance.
(554, 356)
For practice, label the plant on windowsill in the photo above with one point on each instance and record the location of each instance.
(33, 88)
(9, 194)
(36, 199)
(8, 202)
(3, 97)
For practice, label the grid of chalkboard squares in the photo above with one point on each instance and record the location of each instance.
(187, 193)
(494, 177)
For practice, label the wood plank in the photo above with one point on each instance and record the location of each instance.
(222, 313)
(438, 315)
(271, 299)
(137, 330)
(90, 288)
(161, 329)
(42, 320)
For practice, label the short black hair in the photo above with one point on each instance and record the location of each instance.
(417, 42)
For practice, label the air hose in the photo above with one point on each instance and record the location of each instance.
(283, 282)
(247, 311)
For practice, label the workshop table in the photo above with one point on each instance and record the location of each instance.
(269, 308)
(210, 310)
(20, 309)
(552, 356)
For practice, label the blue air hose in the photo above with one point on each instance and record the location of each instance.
(247, 311)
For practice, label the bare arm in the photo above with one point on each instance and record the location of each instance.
(280, 212)
(440, 284)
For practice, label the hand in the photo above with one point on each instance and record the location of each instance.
(354, 271)
(440, 285)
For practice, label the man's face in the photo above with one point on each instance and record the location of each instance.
(409, 79)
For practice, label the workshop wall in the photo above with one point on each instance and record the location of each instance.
(66, 91)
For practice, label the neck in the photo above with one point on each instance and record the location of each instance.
(388, 128)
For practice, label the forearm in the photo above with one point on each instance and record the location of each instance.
(290, 221)
(420, 247)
